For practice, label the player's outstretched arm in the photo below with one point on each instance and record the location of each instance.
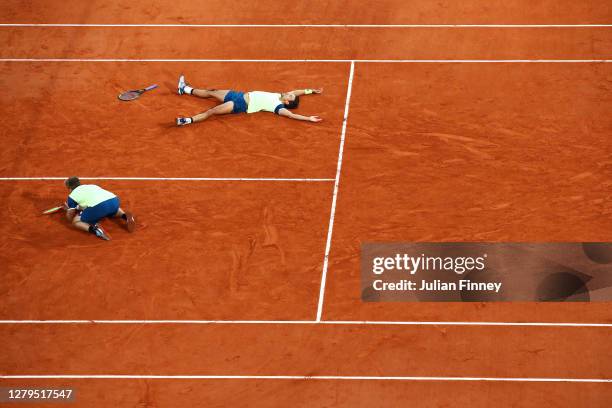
(300, 92)
(287, 113)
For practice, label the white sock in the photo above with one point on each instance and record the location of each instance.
(189, 120)
(188, 89)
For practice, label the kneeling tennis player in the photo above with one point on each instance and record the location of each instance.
(249, 102)
(87, 204)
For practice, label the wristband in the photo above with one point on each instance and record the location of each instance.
(307, 91)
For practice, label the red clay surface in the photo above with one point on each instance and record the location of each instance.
(275, 349)
(472, 153)
(310, 12)
(203, 250)
(315, 43)
(312, 393)
(436, 152)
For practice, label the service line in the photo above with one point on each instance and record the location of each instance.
(94, 25)
(332, 213)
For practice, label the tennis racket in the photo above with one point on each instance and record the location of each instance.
(53, 210)
(131, 95)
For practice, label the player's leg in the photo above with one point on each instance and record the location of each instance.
(78, 224)
(218, 94)
(90, 217)
(222, 109)
(185, 88)
(128, 217)
(92, 228)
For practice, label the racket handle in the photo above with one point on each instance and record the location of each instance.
(148, 88)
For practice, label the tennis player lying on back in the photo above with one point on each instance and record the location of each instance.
(94, 204)
(250, 102)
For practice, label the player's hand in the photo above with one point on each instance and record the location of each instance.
(314, 119)
(317, 91)
(65, 207)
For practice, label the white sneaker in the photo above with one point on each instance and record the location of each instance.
(182, 121)
(181, 85)
(99, 232)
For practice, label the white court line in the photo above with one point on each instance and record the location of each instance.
(309, 25)
(310, 322)
(335, 195)
(405, 61)
(302, 377)
(169, 179)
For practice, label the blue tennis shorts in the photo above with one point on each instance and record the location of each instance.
(240, 105)
(108, 208)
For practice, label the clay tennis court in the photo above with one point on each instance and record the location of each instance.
(241, 284)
